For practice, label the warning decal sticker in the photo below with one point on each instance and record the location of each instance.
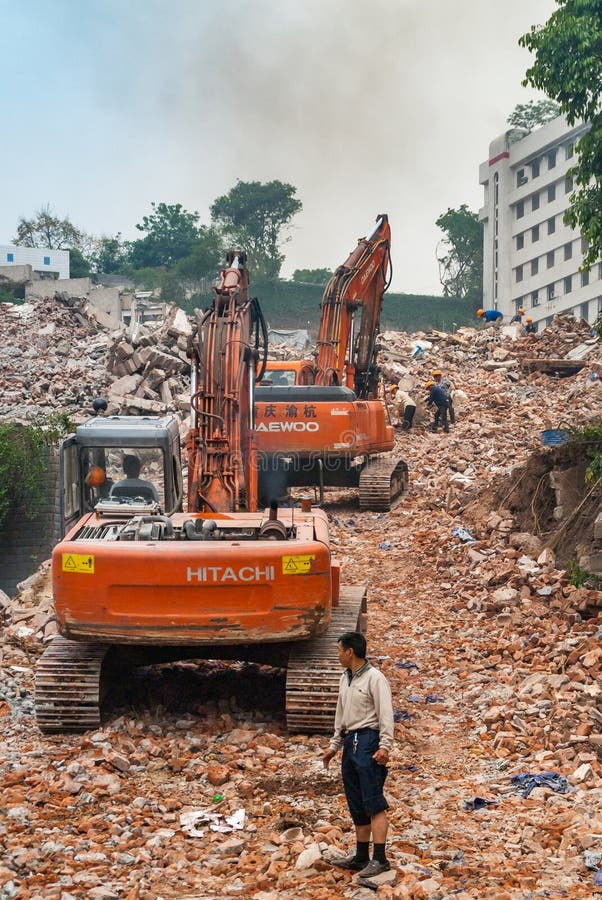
(78, 562)
(297, 565)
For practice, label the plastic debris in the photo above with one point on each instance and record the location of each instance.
(432, 698)
(463, 534)
(592, 859)
(401, 715)
(215, 821)
(405, 664)
(598, 877)
(526, 782)
(479, 803)
(386, 545)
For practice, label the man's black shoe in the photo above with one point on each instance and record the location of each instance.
(349, 862)
(374, 868)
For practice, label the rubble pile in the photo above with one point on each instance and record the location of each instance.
(193, 788)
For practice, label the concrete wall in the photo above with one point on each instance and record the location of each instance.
(73, 287)
(16, 274)
(107, 302)
(25, 543)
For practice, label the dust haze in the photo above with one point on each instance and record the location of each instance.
(365, 108)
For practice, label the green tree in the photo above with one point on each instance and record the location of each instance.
(254, 216)
(79, 266)
(110, 255)
(45, 229)
(170, 234)
(533, 114)
(568, 68)
(460, 253)
(312, 276)
(204, 259)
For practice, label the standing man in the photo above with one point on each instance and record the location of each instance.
(436, 397)
(490, 316)
(364, 725)
(447, 387)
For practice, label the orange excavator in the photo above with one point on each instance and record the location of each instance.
(136, 580)
(336, 431)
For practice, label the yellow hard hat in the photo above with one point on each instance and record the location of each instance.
(429, 384)
(521, 311)
(480, 312)
(436, 372)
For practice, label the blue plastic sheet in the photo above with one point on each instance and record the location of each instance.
(401, 715)
(405, 664)
(526, 782)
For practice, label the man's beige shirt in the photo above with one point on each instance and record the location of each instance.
(366, 702)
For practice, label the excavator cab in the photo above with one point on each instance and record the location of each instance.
(120, 465)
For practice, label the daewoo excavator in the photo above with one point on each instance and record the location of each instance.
(336, 431)
(136, 580)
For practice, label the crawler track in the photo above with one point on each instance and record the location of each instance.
(382, 480)
(314, 671)
(68, 678)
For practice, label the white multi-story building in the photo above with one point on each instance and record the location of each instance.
(531, 258)
(44, 263)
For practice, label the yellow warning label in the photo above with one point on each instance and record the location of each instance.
(297, 565)
(78, 562)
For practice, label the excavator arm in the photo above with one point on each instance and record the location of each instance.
(346, 357)
(222, 467)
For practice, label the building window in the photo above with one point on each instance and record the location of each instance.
(584, 246)
(535, 298)
(568, 250)
(568, 184)
(46, 260)
(534, 234)
(599, 270)
(535, 202)
(520, 209)
(10, 257)
(550, 291)
(568, 284)
(549, 320)
(551, 193)
(534, 266)
(551, 159)
(519, 273)
(517, 304)
(569, 150)
(552, 225)
(584, 279)
(550, 259)
(585, 310)
(599, 304)
(520, 241)
(521, 178)
(535, 168)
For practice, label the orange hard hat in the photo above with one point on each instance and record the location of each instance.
(392, 388)
(96, 476)
(436, 372)
(528, 319)
(429, 384)
(521, 311)
(480, 312)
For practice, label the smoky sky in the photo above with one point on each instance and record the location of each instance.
(365, 108)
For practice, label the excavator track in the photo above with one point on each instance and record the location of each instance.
(314, 671)
(382, 480)
(67, 694)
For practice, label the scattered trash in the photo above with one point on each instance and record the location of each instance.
(592, 859)
(405, 664)
(432, 698)
(525, 782)
(386, 545)
(217, 798)
(480, 803)
(463, 534)
(215, 821)
(598, 877)
(401, 715)
(414, 699)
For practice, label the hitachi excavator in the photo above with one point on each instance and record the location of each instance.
(333, 429)
(136, 580)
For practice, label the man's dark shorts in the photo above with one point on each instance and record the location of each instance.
(363, 778)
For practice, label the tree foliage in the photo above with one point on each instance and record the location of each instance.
(254, 216)
(533, 114)
(312, 276)
(79, 266)
(204, 259)
(45, 229)
(460, 253)
(170, 234)
(568, 68)
(110, 255)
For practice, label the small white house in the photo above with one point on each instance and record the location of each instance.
(44, 263)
